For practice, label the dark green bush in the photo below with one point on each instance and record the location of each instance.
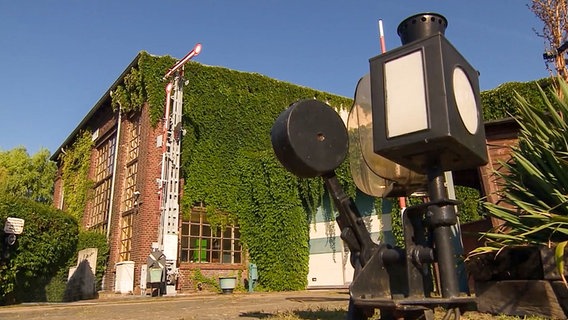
(48, 241)
(500, 102)
(55, 285)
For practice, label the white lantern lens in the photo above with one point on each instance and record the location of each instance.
(406, 109)
(465, 100)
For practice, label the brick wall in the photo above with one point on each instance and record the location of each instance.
(188, 283)
(146, 215)
(501, 136)
(147, 218)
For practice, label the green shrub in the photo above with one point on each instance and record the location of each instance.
(470, 208)
(535, 182)
(55, 287)
(501, 102)
(48, 241)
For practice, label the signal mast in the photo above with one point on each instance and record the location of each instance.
(168, 183)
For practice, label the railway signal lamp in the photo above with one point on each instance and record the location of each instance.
(425, 101)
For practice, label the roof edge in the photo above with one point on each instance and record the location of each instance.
(96, 107)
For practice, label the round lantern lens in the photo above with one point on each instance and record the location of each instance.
(465, 100)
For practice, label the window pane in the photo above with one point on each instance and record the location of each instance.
(227, 233)
(201, 244)
(237, 257)
(227, 257)
(227, 244)
(195, 230)
(215, 256)
(185, 228)
(184, 242)
(206, 231)
(200, 252)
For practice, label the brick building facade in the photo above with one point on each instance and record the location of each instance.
(125, 205)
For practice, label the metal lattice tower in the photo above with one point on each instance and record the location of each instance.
(169, 179)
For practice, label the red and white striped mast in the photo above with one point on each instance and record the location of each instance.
(168, 183)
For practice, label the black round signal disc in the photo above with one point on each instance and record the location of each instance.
(309, 139)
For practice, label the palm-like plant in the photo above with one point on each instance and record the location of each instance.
(535, 182)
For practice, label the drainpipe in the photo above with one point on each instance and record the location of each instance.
(116, 147)
(62, 193)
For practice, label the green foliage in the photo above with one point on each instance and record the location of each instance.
(199, 277)
(25, 176)
(55, 287)
(396, 217)
(536, 184)
(228, 116)
(52, 287)
(48, 241)
(273, 222)
(501, 102)
(75, 174)
(470, 208)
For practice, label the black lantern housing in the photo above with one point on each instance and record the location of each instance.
(425, 100)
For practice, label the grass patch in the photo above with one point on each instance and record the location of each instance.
(340, 314)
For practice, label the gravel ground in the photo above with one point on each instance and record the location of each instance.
(240, 306)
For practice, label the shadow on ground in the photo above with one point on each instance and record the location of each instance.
(304, 315)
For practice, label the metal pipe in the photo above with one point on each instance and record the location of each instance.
(443, 217)
(114, 169)
(194, 52)
(167, 115)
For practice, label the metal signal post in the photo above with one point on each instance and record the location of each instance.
(168, 183)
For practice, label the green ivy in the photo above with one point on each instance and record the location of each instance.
(227, 159)
(75, 174)
(470, 208)
(200, 278)
(500, 102)
(273, 222)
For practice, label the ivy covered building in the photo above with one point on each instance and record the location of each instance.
(237, 204)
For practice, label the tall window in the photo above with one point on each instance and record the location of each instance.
(126, 236)
(98, 216)
(130, 188)
(132, 166)
(201, 244)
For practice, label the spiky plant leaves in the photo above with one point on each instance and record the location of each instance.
(559, 257)
(534, 185)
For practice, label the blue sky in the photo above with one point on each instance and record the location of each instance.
(58, 57)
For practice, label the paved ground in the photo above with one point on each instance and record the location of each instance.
(241, 306)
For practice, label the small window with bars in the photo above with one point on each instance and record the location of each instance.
(202, 244)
